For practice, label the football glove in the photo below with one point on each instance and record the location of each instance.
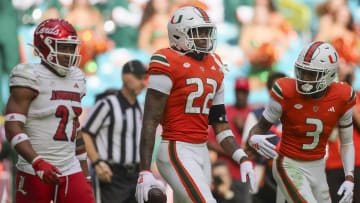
(262, 145)
(347, 188)
(146, 181)
(246, 170)
(46, 172)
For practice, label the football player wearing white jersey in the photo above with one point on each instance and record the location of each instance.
(41, 119)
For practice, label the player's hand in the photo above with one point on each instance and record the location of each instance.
(104, 172)
(46, 172)
(263, 146)
(246, 170)
(347, 188)
(146, 181)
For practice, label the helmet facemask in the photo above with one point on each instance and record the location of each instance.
(201, 39)
(310, 81)
(61, 56)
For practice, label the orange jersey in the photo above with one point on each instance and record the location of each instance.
(307, 122)
(195, 83)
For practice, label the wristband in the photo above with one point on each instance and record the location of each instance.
(15, 117)
(96, 162)
(18, 138)
(35, 160)
(224, 134)
(88, 179)
(82, 156)
(238, 154)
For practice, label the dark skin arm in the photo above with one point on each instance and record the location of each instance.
(229, 144)
(83, 163)
(155, 103)
(19, 102)
(261, 127)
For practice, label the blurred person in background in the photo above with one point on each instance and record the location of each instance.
(89, 24)
(223, 190)
(266, 186)
(191, 68)
(236, 115)
(309, 107)
(42, 122)
(326, 12)
(126, 16)
(152, 29)
(112, 135)
(262, 51)
(343, 35)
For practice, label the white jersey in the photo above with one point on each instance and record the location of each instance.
(52, 118)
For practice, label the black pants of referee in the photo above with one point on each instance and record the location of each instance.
(122, 187)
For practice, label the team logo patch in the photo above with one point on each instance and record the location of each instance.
(186, 65)
(202, 68)
(315, 108)
(298, 106)
(213, 68)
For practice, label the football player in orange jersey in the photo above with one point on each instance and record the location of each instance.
(185, 94)
(309, 107)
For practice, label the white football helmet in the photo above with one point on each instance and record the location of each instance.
(184, 28)
(320, 60)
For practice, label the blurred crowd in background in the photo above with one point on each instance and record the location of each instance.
(255, 38)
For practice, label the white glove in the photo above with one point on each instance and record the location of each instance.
(146, 181)
(348, 189)
(263, 146)
(246, 169)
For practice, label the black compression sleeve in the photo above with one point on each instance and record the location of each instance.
(217, 114)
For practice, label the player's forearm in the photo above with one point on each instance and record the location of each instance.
(147, 146)
(155, 103)
(26, 151)
(23, 148)
(227, 140)
(347, 153)
(84, 167)
(261, 127)
(347, 150)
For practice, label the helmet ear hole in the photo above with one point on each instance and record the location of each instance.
(176, 37)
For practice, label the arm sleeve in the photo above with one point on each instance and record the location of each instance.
(161, 83)
(273, 111)
(249, 123)
(346, 119)
(96, 118)
(347, 150)
(219, 96)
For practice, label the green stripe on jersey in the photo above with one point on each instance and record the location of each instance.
(352, 95)
(277, 90)
(159, 59)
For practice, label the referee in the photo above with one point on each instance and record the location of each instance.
(112, 137)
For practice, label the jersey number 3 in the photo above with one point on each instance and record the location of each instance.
(63, 113)
(319, 127)
(189, 108)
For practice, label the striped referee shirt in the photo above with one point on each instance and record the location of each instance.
(115, 126)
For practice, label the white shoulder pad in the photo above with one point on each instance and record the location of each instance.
(24, 75)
